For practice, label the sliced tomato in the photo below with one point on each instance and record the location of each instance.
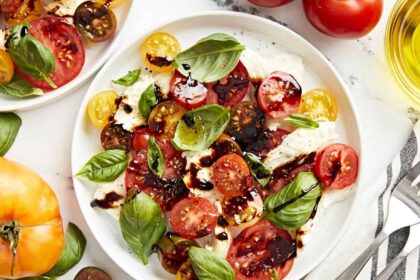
(231, 89)
(246, 121)
(9, 6)
(114, 136)
(259, 250)
(336, 166)
(164, 119)
(279, 95)
(174, 162)
(266, 141)
(225, 145)
(187, 91)
(65, 43)
(212, 98)
(140, 138)
(193, 217)
(231, 175)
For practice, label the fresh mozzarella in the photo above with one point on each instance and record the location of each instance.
(163, 80)
(305, 233)
(4, 34)
(220, 241)
(117, 187)
(260, 67)
(63, 8)
(331, 196)
(195, 157)
(302, 141)
(130, 119)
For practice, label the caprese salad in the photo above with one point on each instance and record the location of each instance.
(42, 44)
(214, 159)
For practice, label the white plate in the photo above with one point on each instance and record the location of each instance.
(267, 38)
(96, 55)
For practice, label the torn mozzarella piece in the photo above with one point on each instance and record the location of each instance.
(163, 81)
(63, 8)
(220, 241)
(110, 197)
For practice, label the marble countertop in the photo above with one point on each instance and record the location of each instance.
(44, 141)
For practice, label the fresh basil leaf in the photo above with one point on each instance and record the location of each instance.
(129, 79)
(209, 266)
(147, 101)
(105, 166)
(258, 170)
(74, 247)
(199, 128)
(155, 157)
(292, 206)
(20, 88)
(9, 127)
(30, 55)
(211, 58)
(142, 224)
(301, 121)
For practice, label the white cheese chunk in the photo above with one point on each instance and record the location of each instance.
(300, 142)
(217, 244)
(163, 81)
(63, 8)
(4, 34)
(118, 187)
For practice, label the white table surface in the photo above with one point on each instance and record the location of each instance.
(44, 141)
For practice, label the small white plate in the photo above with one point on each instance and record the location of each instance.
(267, 38)
(96, 55)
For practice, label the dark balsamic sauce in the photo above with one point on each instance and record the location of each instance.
(158, 60)
(286, 169)
(222, 236)
(197, 183)
(186, 66)
(107, 202)
(225, 91)
(222, 222)
(127, 108)
(236, 205)
(287, 203)
(189, 121)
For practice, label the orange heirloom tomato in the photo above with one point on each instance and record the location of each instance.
(28, 11)
(31, 231)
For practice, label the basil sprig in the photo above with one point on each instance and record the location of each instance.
(301, 121)
(9, 127)
(147, 101)
(292, 206)
(142, 224)
(105, 166)
(30, 55)
(211, 58)
(20, 88)
(209, 266)
(155, 157)
(199, 128)
(258, 169)
(129, 79)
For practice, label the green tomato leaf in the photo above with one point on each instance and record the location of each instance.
(211, 58)
(147, 101)
(209, 266)
(9, 127)
(199, 128)
(301, 121)
(155, 157)
(129, 79)
(30, 55)
(258, 169)
(105, 166)
(74, 247)
(142, 224)
(20, 88)
(292, 206)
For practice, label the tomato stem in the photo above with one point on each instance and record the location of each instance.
(9, 232)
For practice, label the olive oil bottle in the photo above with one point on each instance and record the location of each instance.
(403, 46)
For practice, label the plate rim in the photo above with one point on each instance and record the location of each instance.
(83, 81)
(244, 16)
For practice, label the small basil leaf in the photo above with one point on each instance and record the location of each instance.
(209, 266)
(142, 224)
(258, 169)
(129, 79)
(211, 58)
(155, 157)
(292, 206)
(74, 247)
(30, 55)
(105, 166)
(147, 101)
(301, 121)
(9, 127)
(20, 88)
(199, 128)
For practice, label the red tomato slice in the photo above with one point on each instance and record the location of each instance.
(231, 89)
(174, 162)
(65, 43)
(9, 6)
(140, 138)
(260, 249)
(279, 95)
(187, 91)
(193, 217)
(231, 175)
(267, 141)
(337, 166)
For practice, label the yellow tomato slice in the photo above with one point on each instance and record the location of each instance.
(319, 105)
(7, 68)
(101, 107)
(28, 11)
(158, 51)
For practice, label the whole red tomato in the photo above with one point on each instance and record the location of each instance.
(347, 19)
(269, 3)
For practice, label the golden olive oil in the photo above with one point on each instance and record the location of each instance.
(403, 46)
